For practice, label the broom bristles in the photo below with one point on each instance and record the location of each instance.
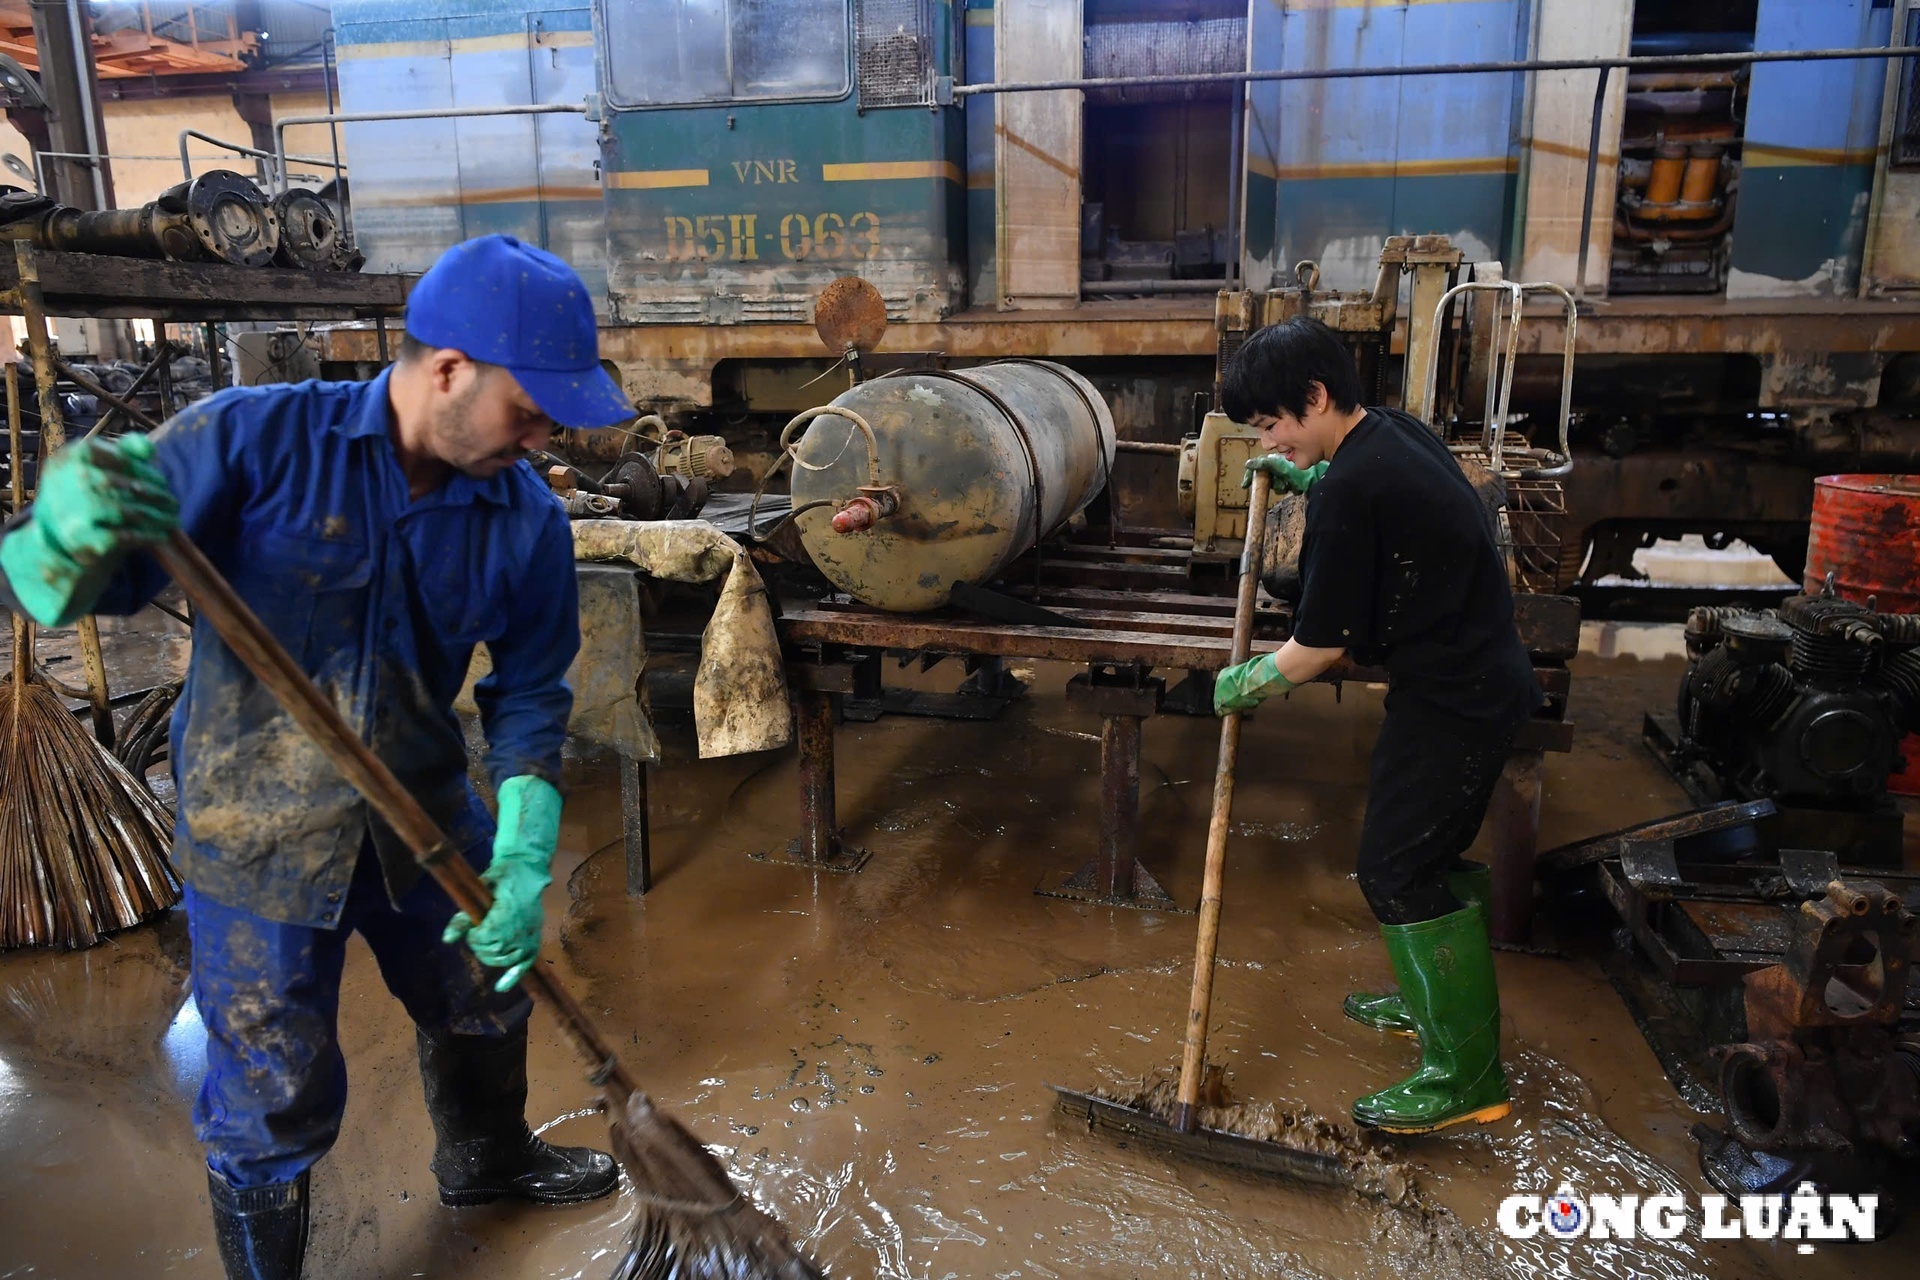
(83, 844)
(694, 1224)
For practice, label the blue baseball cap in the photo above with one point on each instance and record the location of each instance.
(507, 303)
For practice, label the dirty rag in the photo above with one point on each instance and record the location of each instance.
(740, 690)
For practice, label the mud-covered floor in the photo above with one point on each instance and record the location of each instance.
(872, 1052)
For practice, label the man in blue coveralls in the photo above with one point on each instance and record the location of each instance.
(381, 530)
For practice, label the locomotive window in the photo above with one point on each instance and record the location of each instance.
(1906, 125)
(661, 52)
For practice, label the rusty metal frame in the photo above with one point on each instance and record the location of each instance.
(36, 285)
(1121, 636)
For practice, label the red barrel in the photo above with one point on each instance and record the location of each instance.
(1866, 533)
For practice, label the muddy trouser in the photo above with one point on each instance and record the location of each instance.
(1432, 778)
(269, 995)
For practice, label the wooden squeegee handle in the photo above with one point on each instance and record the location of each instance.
(1193, 1056)
(248, 637)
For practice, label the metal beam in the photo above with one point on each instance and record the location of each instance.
(1629, 63)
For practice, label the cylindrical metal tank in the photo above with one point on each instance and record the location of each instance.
(1866, 532)
(986, 462)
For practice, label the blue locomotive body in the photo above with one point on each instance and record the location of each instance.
(1747, 238)
(745, 152)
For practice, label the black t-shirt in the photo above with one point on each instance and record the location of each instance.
(1399, 568)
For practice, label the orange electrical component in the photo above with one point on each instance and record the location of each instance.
(1669, 165)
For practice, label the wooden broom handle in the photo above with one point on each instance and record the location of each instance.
(1193, 1056)
(244, 633)
(17, 476)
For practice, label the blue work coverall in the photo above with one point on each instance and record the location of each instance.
(296, 495)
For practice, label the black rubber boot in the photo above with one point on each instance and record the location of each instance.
(477, 1097)
(262, 1231)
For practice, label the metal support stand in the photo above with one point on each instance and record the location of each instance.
(213, 355)
(163, 370)
(821, 844)
(633, 814)
(1113, 876)
(1514, 815)
(987, 691)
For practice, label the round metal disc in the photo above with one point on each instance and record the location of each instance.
(309, 231)
(850, 313)
(232, 218)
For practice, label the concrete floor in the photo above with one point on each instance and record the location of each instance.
(871, 1052)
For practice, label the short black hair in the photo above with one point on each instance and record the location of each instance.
(1276, 367)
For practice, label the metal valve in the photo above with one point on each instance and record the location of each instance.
(874, 503)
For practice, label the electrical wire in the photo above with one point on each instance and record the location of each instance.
(761, 535)
(790, 451)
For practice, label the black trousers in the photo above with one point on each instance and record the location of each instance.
(1427, 793)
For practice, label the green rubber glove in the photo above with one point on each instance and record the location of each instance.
(509, 938)
(1285, 474)
(1246, 686)
(98, 501)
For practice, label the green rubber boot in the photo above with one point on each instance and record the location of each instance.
(1445, 967)
(1386, 1011)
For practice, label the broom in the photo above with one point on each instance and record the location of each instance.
(83, 844)
(694, 1224)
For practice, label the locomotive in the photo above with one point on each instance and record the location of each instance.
(1748, 279)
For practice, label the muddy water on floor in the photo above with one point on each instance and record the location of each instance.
(870, 1052)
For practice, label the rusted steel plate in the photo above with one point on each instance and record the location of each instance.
(1147, 601)
(1549, 625)
(1147, 577)
(1714, 817)
(850, 313)
(1060, 644)
(87, 284)
(1117, 555)
(1171, 623)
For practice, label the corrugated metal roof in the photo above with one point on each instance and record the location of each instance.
(293, 29)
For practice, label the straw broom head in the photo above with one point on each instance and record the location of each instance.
(83, 845)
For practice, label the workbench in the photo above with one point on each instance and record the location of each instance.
(1120, 618)
(37, 284)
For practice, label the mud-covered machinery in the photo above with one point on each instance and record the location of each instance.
(1213, 460)
(937, 478)
(1771, 969)
(1463, 328)
(219, 216)
(1826, 1085)
(671, 483)
(1805, 703)
(921, 481)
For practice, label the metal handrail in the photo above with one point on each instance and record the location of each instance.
(1493, 430)
(281, 125)
(186, 163)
